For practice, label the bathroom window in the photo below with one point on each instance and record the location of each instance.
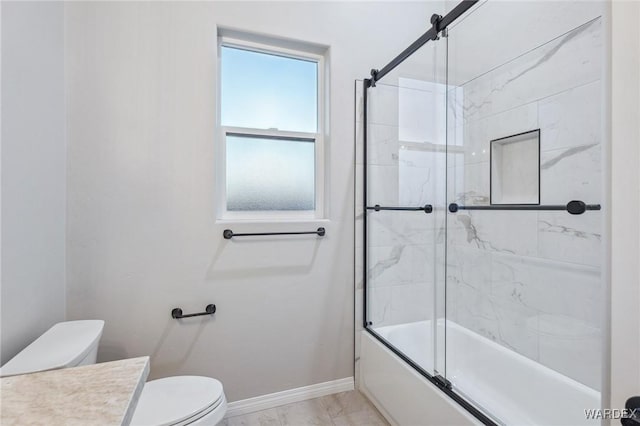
(271, 121)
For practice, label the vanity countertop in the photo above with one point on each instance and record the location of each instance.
(99, 394)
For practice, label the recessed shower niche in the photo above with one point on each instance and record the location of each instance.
(515, 169)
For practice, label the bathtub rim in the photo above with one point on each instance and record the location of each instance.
(442, 384)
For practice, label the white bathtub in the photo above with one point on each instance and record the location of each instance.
(510, 387)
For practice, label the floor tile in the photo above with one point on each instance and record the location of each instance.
(304, 413)
(260, 418)
(342, 409)
(343, 403)
(360, 418)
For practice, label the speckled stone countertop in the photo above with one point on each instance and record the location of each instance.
(100, 394)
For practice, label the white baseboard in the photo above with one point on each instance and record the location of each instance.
(276, 399)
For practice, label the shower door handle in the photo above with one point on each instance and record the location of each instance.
(427, 208)
(573, 207)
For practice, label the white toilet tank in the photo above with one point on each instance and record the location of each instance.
(66, 344)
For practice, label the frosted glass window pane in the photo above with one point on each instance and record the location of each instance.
(267, 91)
(269, 173)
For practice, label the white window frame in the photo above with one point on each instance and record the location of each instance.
(318, 138)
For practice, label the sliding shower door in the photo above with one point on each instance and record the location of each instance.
(524, 287)
(405, 194)
(483, 212)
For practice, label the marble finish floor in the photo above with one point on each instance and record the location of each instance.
(341, 409)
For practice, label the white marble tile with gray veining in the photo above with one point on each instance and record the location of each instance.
(571, 238)
(571, 174)
(571, 118)
(571, 347)
(496, 231)
(468, 266)
(382, 185)
(547, 286)
(381, 230)
(400, 264)
(478, 134)
(379, 306)
(470, 184)
(382, 145)
(411, 303)
(571, 60)
(511, 325)
(414, 228)
(389, 265)
(421, 175)
(529, 281)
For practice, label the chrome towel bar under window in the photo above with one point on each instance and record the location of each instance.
(229, 234)
(573, 207)
(427, 208)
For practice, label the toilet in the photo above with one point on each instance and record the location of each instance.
(171, 401)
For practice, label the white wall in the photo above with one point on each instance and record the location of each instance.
(142, 236)
(33, 172)
(625, 202)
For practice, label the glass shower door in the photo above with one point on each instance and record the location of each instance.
(405, 193)
(524, 291)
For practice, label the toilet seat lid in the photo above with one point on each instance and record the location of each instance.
(172, 400)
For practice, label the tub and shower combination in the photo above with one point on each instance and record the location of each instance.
(480, 293)
(550, 398)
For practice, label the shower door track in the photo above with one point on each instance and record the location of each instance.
(440, 382)
(439, 24)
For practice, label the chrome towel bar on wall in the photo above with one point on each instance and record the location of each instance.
(210, 309)
(229, 234)
(573, 207)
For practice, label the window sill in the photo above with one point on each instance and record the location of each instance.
(252, 221)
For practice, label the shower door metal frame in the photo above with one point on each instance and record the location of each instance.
(439, 24)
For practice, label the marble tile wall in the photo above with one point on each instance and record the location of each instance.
(404, 168)
(531, 280)
(402, 171)
(528, 280)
